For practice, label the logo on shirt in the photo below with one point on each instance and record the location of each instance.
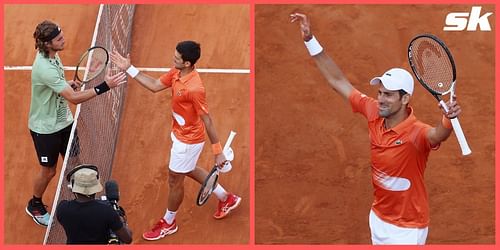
(44, 159)
(180, 91)
(398, 142)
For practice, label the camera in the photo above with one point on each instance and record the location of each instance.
(113, 196)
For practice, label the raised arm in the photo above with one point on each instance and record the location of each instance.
(150, 83)
(326, 65)
(444, 128)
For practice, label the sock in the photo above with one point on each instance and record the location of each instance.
(169, 216)
(220, 193)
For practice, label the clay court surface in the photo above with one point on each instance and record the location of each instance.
(143, 150)
(312, 168)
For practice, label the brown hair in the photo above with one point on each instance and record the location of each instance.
(42, 34)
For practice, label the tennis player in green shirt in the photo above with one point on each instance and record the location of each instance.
(50, 118)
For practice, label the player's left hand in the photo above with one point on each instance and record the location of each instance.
(220, 159)
(116, 79)
(453, 108)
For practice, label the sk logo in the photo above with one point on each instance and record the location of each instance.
(458, 21)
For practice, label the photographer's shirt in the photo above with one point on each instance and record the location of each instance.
(87, 222)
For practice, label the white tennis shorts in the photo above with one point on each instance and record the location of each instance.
(183, 156)
(386, 233)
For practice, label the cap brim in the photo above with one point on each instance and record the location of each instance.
(87, 190)
(375, 81)
(388, 84)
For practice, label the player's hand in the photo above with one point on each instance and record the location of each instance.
(305, 26)
(75, 85)
(116, 79)
(453, 108)
(220, 159)
(120, 61)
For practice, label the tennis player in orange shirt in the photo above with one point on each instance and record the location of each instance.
(190, 121)
(400, 146)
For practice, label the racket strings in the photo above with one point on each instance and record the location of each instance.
(92, 64)
(212, 181)
(432, 64)
(97, 64)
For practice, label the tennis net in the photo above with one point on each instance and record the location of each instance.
(95, 130)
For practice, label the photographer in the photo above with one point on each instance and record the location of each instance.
(85, 219)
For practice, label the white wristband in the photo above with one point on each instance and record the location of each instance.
(313, 46)
(132, 71)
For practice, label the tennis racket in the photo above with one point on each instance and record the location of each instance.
(210, 182)
(91, 64)
(433, 66)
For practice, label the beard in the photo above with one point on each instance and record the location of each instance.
(57, 49)
(387, 113)
(384, 113)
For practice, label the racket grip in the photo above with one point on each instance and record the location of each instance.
(229, 140)
(460, 136)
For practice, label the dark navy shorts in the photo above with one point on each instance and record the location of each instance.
(49, 146)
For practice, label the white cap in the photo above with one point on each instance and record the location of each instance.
(395, 79)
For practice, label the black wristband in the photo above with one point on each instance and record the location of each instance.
(101, 88)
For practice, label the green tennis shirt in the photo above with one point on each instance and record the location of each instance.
(49, 111)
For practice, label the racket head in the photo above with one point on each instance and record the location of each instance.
(432, 64)
(208, 186)
(95, 59)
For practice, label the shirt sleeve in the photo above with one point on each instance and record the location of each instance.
(199, 100)
(60, 209)
(367, 106)
(54, 80)
(167, 78)
(115, 222)
(420, 139)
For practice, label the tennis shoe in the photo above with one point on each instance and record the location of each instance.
(224, 207)
(160, 230)
(38, 211)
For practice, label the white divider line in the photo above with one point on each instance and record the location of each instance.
(201, 70)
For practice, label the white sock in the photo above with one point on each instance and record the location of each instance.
(220, 193)
(169, 216)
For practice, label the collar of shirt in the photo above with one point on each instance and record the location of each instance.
(55, 61)
(185, 78)
(411, 119)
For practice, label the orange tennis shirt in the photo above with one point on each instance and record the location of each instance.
(188, 103)
(398, 160)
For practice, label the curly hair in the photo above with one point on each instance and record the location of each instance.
(42, 34)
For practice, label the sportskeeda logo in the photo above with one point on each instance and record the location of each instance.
(458, 21)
